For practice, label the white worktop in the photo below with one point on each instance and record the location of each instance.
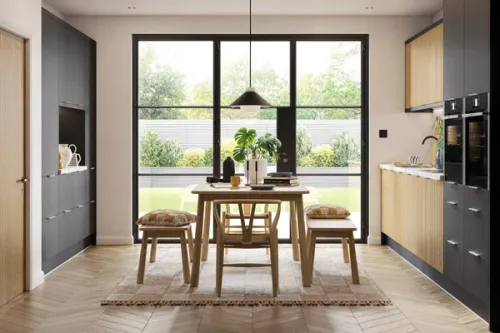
(421, 172)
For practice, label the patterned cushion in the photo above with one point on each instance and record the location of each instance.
(325, 211)
(167, 217)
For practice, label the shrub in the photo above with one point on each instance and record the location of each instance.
(306, 161)
(346, 148)
(323, 156)
(173, 152)
(193, 157)
(227, 148)
(304, 142)
(208, 156)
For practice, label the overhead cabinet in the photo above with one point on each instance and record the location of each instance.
(466, 47)
(424, 69)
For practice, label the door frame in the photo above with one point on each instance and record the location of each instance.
(27, 156)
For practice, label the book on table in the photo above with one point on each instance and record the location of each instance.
(282, 181)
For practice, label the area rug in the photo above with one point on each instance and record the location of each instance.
(332, 283)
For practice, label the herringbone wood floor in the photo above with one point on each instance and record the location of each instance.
(68, 302)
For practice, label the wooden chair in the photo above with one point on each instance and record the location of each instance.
(185, 235)
(247, 236)
(337, 229)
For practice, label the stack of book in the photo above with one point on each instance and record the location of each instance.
(282, 181)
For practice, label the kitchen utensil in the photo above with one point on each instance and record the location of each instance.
(413, 160)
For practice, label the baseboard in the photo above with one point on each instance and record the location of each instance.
(110, 240)
(455, 290)
(37, 280)
(374, 240)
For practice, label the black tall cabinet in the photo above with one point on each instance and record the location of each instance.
(68, 116)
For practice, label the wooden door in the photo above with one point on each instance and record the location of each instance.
(12, 167)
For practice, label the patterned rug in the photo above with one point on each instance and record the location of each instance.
(332, 283)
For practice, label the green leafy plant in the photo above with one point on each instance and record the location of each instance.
(306, 161)
(304, 142)
(193, 157)
(323, 156)
(227, 148)
(346, 148)
(156, 152)
(249, 146)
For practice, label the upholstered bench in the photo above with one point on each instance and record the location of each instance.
(331, 221)
(163, 223)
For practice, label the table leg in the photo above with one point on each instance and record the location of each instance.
(293, 229)
(195, 271)
(306, 279)
(354, 260)
(206, 230)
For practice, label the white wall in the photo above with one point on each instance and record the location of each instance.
(114, 97)
(23, 17)
(52, 10)
(437, 16)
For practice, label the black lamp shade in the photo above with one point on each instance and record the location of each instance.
(250, 98)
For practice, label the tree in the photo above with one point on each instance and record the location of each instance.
(156, 152)
(159, 85)
(304, 142)
(346, 149)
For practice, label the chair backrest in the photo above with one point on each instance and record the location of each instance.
(246, 229)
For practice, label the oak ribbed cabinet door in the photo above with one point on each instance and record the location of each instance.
(12, 245)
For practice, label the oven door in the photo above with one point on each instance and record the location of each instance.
(476, 150)
(453, 150)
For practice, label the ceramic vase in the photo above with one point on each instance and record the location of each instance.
(256, 170)
(66, 153)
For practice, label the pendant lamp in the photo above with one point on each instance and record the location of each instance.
(250, 100)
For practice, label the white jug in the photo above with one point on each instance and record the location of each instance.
(66, 153)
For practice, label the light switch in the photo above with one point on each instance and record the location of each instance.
(382, 133)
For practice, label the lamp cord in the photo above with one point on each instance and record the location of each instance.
(250, 19)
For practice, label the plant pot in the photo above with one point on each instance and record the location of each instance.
(255, 170)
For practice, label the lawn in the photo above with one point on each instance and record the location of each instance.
(181, 198)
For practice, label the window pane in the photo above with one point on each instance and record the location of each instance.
(339, 190)
(270, 71)
(173, 192)
(329, 73)
(175, 139)
(175, 73)
(328, 141)
(263, 121)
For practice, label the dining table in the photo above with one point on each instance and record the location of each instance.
(208, 192)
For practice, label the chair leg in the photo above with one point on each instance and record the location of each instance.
(345, 250)
(154, 244)
(185, 259)
(354, 260)
(267, 223)
(142, 258)
(275, 263)
(190, 243)
(219, 266)
(226, 222)
(311, 252)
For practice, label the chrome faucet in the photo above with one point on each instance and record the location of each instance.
(429, 137)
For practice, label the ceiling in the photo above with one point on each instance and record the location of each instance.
(240, 7)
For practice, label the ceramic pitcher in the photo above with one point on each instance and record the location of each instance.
(66, 152)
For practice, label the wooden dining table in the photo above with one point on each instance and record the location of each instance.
(207, 193)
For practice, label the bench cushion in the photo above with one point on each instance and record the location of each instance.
(167, 217)
(326, 211)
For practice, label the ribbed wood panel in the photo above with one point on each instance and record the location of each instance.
(12, 60)
(424, 68)
(412, 215)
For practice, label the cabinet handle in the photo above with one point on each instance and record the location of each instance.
(81, 206)
(51, 176)
(452, 183)
(475, 210)
(51, 218)
(93, 168)
(93, 201)
(475, 254)
(452, 242)
(474, 187)
(452, 203)
(67, 211)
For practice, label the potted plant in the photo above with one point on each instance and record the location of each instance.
(255, 152)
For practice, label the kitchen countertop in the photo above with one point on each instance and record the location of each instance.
(421, 172)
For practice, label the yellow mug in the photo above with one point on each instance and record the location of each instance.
(235, 181)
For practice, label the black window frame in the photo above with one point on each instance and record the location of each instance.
(286, 122)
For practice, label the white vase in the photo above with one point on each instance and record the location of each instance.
(255, 170)
(66, 153)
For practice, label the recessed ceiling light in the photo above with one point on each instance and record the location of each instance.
(369, 8)
(132, 7)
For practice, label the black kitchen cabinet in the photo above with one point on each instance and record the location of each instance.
(477, 46)
(477, 221)
(73, 68)
(453, 213)
(81, 187)
(50, 197)
(477, 275)
(50, 240)
(454, 44)
(66, 193)
(50, 93)
(453, 262)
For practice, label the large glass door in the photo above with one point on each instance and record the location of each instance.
(184, 127)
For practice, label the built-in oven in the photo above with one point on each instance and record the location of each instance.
(477, 141)
(453, 106)
(453, 149)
